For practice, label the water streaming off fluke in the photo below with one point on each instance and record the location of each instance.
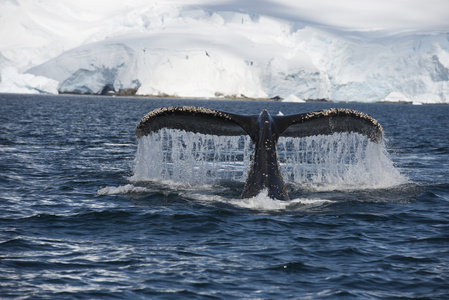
(338, 161)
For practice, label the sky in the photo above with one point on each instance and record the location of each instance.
(362, 15)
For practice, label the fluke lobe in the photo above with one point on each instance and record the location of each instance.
(264, 130)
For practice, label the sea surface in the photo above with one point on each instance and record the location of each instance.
(88, 211)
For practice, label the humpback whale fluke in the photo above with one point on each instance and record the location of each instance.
(264, 131)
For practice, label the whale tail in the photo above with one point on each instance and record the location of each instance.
(264, 131)
(214, 122)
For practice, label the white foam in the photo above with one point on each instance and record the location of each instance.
(123, 189)
(263, 202)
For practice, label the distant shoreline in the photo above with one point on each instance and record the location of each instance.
(243, 98)
(228, 98)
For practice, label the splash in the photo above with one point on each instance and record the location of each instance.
(338, 162)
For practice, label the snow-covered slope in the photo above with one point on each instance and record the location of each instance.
(228, 48)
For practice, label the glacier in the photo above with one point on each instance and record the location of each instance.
(213, 49)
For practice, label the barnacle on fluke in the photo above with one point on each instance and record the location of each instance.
(264, 131)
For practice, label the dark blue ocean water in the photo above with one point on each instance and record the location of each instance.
(75, 225)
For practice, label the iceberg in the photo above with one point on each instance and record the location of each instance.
(14, 82)
(293, 98)
(215, 49)
(397, 97)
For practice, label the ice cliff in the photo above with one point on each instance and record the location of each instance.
(196, 49)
